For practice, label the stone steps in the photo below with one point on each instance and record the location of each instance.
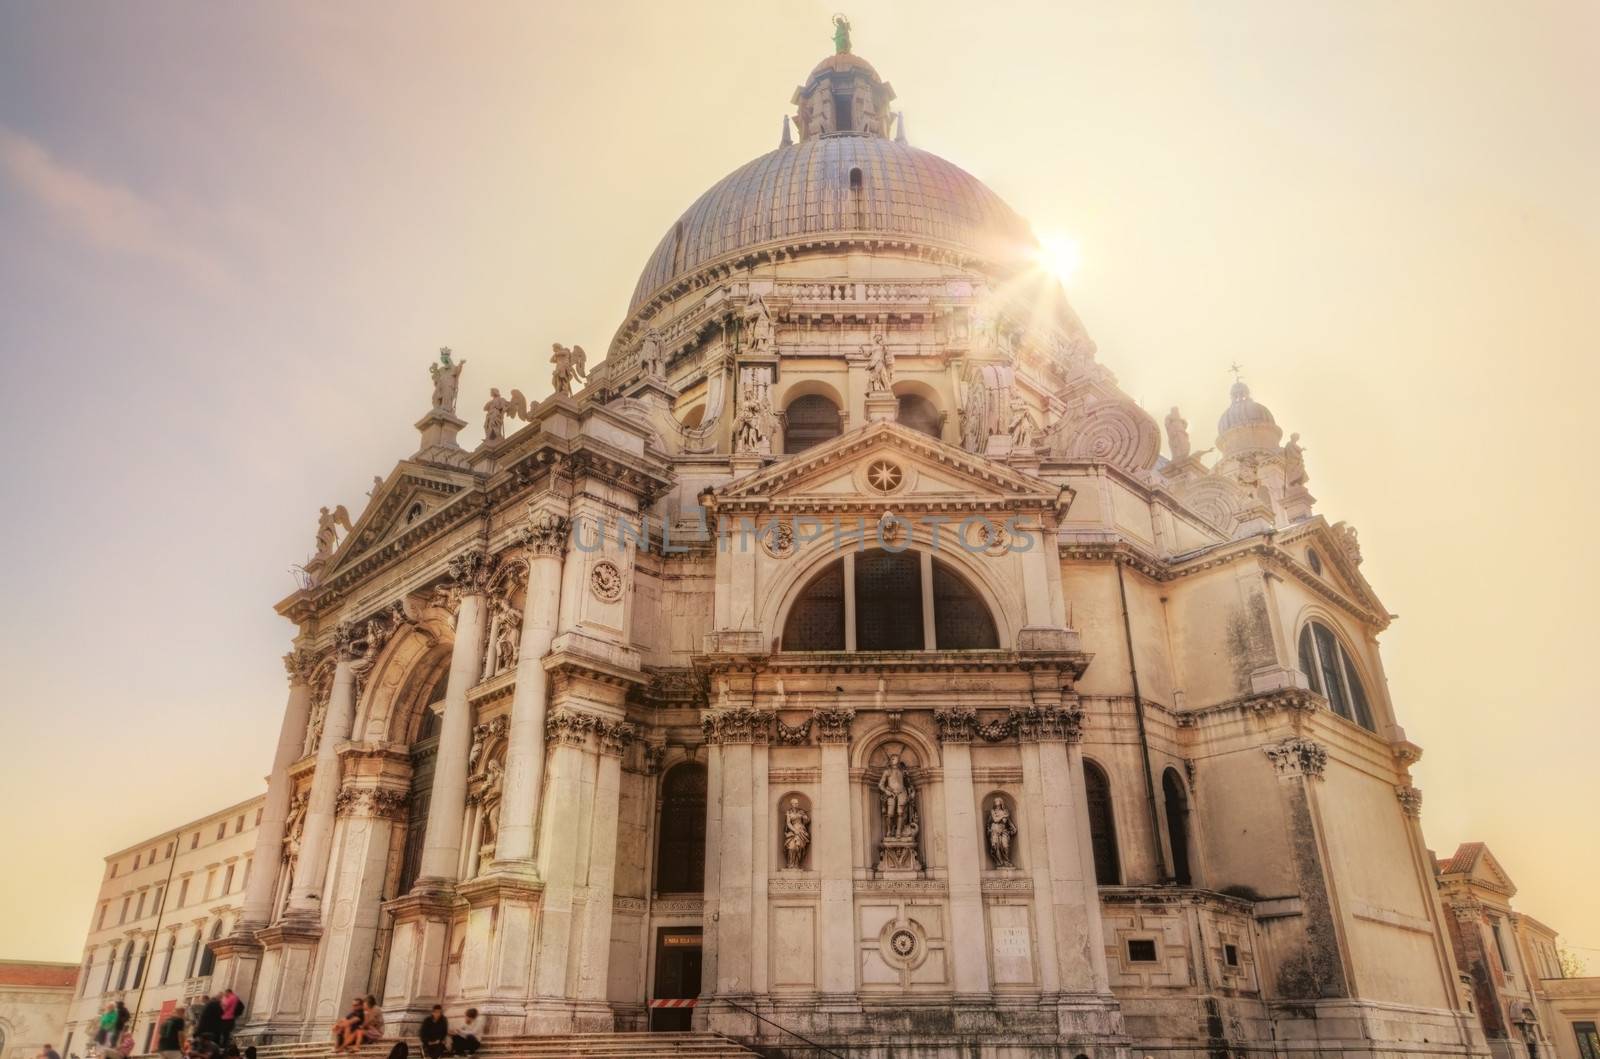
(556, 1046)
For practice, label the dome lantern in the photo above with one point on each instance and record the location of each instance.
(1247, 425)
(843, 96)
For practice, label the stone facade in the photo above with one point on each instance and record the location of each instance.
(33, 1006)
(1511, 966)
(160, 903)
(842, 650)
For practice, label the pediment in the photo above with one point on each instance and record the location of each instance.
(405, 503)
(923, 473)
(1490, 873)
(1338, 554)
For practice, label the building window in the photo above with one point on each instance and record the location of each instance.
(194, 953)
(258, 816)
(138, 970)
(227, 880)
(194, 840)
(1230, 955)
(171, 846)
(222, 830)
(166, 960)
(1177, 825)
(83, 976)
(155, 903)
(111, 969)
(208, 959)
(891, 593)
(808, 421)
(114, 867)
(127, 967)
(1141, 950)
(127, 903)
(841, 113)
(1500, 945)
(100, 924)
(183, 893)
(1102, 825)
(211, 884)
(136, 861)
(681, 849)
(1314, 561)
(1588, 1040)
(918, 413)
(1328, 666)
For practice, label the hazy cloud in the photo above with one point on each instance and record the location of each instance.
(101, 213)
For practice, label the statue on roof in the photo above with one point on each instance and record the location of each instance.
(880, 366)
(570, 365)
(446, 381)
(328, 524)
(496, 410)
(1177, 435)
(1294, 463)
(841, 35)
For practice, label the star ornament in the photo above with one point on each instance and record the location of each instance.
(884, 476)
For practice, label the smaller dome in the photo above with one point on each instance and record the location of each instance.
(1247, 424)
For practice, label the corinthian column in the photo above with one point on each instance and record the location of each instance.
(257, 910)
(447, 802)
(358, 645)
(546, 541)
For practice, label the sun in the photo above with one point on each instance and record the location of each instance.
(1059, 255)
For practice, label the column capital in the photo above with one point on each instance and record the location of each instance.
(545, 535)
(1298, 757)
(1410, 800)
(300, 663)
(383, 802)
(1038, 723)
(569, 727)
(470, 571)
(833, 724)
(741, 724)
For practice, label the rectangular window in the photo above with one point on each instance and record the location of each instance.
(258, 816)
(114, 868)
(227, 880)
(1588, 1039)
(194, 840)
(136, 857)
(155, 905)
(211, 883)
(1141, 950)
(1500, 946)
(238, 825)
(101, 923)
(139, 913)
(170, 847)
(249, 862)
(183, 893)
(222, 830)
(1230, 953)
(127, 903)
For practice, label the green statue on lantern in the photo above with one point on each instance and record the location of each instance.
(841, 34)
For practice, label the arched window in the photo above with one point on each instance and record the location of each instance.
(1177, 825)
(194, 952)
(208, 959)
(918, 413)
(1327, 665)
(111, 968)
(127, 966)
(1102, 825)
(138, 968)
(890, 596)
(166, 960)
(808, 421)
(681, 846)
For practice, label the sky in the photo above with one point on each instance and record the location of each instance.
(232, 237)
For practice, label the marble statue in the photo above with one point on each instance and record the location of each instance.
(796, 834)
(507, 636)
(328, 524)
(651, 361)
(569, 364)
(496, 410)
(446, 381)
(1177, 435)
(896, 794)
(1294, 463)
(753, 429)
(1001, 830)
(1020, 423)
(758, 326)
(880, 366)
(841, 35)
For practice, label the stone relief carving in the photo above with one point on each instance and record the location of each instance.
(1000, 830)
(796, 834)
(755, 426)
(470, 571)
(294, 823)
(793, 734)
(605, 581)
(987, 407)
(758, 329)
(833, 725)
(1019, 423)
(1298, 757)
(1117, 432)
(446, 381)
(739, 724)
(778, 538)
(651, 359)
(574, 728)
(1410, 800)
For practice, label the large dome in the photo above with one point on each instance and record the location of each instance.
(839, 185)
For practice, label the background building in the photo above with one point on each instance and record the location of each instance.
(33, 1006)
(159, 903)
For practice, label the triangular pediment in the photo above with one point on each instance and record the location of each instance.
(1488, 872)
(887, 465)
(406, 503)
(1336, 553)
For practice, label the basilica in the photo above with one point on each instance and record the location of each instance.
(841, 657)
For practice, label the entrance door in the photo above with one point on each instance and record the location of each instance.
(677, 978)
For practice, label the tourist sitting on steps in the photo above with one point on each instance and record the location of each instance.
(433, 1033)
(347, 1031)
(465, 1040)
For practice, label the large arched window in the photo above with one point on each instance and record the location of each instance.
(424, 751)
(1102, 825)
(1328, 666)
(808, 421)
(681, 841)
(891, 594)
(918, 413)
(1177, 825)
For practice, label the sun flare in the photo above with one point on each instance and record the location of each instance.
(1060, 256)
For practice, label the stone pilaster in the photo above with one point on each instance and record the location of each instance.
(1318, 969)
(833, 861)
(736, 732)
(963, 840)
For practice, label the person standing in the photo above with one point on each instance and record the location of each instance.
(124, 1016)
(465, 1040)
(210, 1025)
(169, 1038)
(107, 1035)
(232, 1008)
(49, 1052)
(197, 1007)
(433, 1032)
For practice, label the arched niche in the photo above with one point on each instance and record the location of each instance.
(402, 678)
(788, 802)
(1176, 798)
(990, 828)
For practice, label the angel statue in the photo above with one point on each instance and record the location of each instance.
(880, 366)
(328, 524)
(446, 381)
(495, 412)
(570, 364)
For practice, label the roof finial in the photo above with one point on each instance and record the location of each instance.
(841, 35)
(786, 141)
(1234, 367)
(899, 126)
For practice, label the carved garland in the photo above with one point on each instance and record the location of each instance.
(1027, 724)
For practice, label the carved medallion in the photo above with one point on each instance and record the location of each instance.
(605, 581)
(884, 475)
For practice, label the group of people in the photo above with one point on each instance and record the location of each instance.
(364, 1024)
